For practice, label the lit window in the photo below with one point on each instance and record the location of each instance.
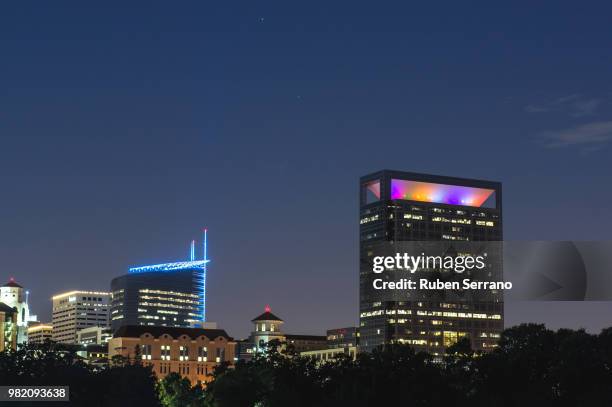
(183, 353)
(202, 354)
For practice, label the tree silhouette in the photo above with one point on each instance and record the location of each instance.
(532, 366)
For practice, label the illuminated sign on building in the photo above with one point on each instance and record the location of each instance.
(442, 193)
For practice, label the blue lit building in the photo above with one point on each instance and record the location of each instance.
(168, 294)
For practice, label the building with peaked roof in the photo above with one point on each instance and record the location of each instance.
(14, 295)
(267, 329)
(191, 352)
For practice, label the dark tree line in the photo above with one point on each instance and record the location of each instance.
(532, 366)
(123, 383)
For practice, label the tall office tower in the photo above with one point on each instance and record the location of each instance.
(76, 310)
(404, 208)
(14, 295)
(169, 294)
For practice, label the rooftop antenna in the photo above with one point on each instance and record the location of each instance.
(192, 252)
(205, 244)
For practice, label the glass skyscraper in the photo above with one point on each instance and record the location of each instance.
(398, 207)
(169, 294)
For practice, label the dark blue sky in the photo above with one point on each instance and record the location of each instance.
(125, 129)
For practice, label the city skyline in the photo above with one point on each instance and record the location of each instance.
(257, 121)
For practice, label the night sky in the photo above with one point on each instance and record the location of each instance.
(125, 130)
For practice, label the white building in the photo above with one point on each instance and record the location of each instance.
(76, 310)
(15, 296)
(267, 329)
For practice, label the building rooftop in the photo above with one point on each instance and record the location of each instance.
(5, 308)
(39, 326)
(136, 331)
(169, 267)
(12, 283)
(266, 316)
(80, 292)
(306, 337)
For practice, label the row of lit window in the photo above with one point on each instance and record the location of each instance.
(431, 313)
(162, 305)
(452, 237)
(165, 353)
(168, 299)
(262, 327)
(368, 219)
(462, 221)
(175, 293)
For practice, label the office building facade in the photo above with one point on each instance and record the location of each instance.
(94, 335)
(76, 310)
(39, 333)
(342, 337)
(410, 207)
(168, 294)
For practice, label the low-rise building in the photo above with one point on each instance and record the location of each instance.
(303, 343)
(268, 330)
(39, 333)
(93, 354)
(342, 337)
(325, 355)
(191, 352)
(94, 335)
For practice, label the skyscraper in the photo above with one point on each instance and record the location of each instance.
(168, 294)
(400, 207)
(76, 310)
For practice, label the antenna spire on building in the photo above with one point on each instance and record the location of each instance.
(205, 243)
